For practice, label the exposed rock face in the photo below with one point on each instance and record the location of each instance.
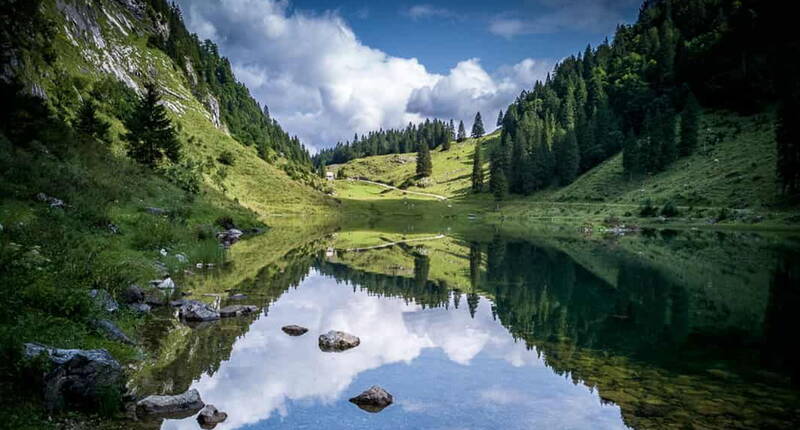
(111, 331)
(104, 301)
(179, 406)
(294, 330)
(136, 7)
(52, 201)
(237, 310)
(132, 294)
(229, 237)
(209, 417)
(337, 341)
(373, 400)
(80, 377)
(212, 104)
(198, 312)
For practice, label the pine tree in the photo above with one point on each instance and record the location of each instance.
(477, 127)
(500, 118)
(477, 169)
(424, 162)
(462, 133)
(89, 124)
(151, 137)
(498, 182)
(568, 158)
(690, 126)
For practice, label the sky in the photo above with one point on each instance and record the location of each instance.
(329, 69)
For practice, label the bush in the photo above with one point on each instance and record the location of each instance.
(184, 175)
(647, 209)
(227, 158)
(669, 210)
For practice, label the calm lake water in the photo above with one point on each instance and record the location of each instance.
(481, 330)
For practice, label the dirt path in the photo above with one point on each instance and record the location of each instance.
(386, 245)
(436, 196)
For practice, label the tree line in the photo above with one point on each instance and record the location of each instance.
(642, 94)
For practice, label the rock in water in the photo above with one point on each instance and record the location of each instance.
(80, 377)
(103, 300)
(373, 400)
(179, 406)
(237, 310)
(294, 330)
(209, 417)
(198, 311)
(337, 341)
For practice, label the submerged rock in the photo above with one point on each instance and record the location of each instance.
(237, 310)
(111, 331)
(104, 300)
(80, 377)
(337, 341)
(375, 399)
(197, 311)
(294, 330)
(178, 406)
(209, 417)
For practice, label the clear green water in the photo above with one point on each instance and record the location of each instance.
(483, 330)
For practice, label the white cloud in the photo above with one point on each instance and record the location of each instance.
(424, 11)
(323, 84)
(552, 16)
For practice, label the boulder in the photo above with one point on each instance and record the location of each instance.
(111, 331)
(294, 330)
(103, 300)
(237, 310)
(178, 303)
(164, 284)
(209, 417)
(373, 400)
(337, 341)
(141, 308)
(178, 406)
(52, 201)
(229, 237)
(132, 294)
(197, 312)
(79, 377)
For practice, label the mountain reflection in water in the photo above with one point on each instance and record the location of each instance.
(496, 332)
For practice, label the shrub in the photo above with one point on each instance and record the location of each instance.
(669, 210)
(647, 209)
(226, 157)
(185, 175)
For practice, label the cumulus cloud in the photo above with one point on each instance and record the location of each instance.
(323, 84)
(552, 16)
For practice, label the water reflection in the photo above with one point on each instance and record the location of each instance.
(664, 331)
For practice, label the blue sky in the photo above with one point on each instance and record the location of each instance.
(330, 69)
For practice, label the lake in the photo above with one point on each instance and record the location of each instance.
(485, 328)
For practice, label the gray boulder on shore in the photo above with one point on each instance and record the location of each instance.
(197, 312)
(337, 341)
(79, 377)
(178, 406)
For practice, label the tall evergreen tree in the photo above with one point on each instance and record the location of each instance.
(477, 127)
(567, 158)
(477, 169)
(500, 118)
(151, 137)
(89, 124)
(462, 133)
(424, 162)
(690, 126)
(498, 180)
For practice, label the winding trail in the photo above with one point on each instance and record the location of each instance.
(391, 187)
(386, 245)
